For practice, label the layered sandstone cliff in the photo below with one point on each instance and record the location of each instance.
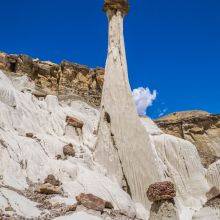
(66, 80)
(200, 128)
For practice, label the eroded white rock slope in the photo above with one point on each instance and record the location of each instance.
(25, 161)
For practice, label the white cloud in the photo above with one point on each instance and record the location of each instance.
(143, 99)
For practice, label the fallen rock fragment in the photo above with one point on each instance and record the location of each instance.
(74, 122)
(58, 157)
(68, 150)
(52, 180)
(48, 189)
(29, 135)
(91, 201)
(9, 209)
(71, 208)
(161, 191)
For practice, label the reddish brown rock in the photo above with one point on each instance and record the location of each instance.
(93, 202)
(68, 150)
(74, 122)
(161, 191)
(52, 180)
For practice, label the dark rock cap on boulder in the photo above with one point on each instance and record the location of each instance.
(161, 191)
(116, 5)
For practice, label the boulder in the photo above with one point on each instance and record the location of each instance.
(71, 208)
(74, 122)
(48, 189)
(91, 201)
(52, 180)
(29, 135)
(161, 191)
(68, 150)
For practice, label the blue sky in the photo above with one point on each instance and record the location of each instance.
(172, 46)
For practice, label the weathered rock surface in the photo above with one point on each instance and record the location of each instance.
(200, 128)
(161, 191)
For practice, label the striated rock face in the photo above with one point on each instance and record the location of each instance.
(161, 191)
(200, 128)
(68, 80)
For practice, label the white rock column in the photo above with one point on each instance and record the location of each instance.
(123, 145)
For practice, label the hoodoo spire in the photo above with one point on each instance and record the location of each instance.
(123, 145)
